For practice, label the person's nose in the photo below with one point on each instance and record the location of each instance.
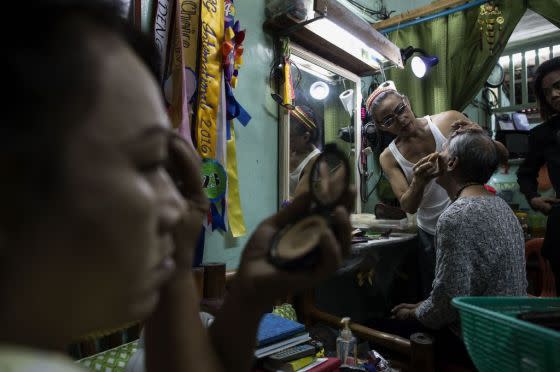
(401, 118)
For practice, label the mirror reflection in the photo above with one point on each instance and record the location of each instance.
(324, 113)
(305, 145)
(329, 178)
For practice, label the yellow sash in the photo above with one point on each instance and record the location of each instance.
(212, 35)
(235, 214)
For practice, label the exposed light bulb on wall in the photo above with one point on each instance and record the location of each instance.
(319, 90)
(419, 64)
(418, 67)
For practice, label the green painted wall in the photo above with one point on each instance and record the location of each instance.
(257, 144)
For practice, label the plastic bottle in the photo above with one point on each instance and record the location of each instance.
(346, 346)
(523, 218)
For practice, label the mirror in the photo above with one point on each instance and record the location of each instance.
(295, 245)
(327, 99)
(329, 178)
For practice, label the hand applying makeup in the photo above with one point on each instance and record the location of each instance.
(428, 168)
(184, 169)
(258, 283)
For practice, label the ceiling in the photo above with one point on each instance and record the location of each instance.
(531, 25)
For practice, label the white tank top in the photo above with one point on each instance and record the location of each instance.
(435, 198)
(296, 174)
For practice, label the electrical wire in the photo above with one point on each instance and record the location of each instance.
(489, 100)
(380, 14)
(364, 194)
(275, 76)
(487, 93)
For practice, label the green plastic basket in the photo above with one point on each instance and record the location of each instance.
(498, 341)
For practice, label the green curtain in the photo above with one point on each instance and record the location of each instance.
(465, 58)
(549, 9)
(335, 118)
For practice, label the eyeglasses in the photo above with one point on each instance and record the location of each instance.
(389, 120)
(555, 86)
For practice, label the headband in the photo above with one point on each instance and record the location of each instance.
(387, 86)
(299, 114)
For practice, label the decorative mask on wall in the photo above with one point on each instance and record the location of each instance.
(491, 21)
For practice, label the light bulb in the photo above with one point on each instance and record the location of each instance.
(418, 67)
(319, 90)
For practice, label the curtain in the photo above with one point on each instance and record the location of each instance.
(549, 9)
(336, 118)
(465, 56)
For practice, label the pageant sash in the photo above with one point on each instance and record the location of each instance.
(175, 82)
(199, 252)
(232, 60)
(218, 206)
(162, 26)
(212, 33)
(184, 66)
(234, 211)
(189, 19)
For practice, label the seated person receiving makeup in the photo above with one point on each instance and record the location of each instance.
(102, 205)
(479, 241)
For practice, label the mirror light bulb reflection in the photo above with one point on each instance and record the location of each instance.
(319, 90)
(418, 67)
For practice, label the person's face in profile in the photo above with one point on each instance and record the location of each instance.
(394, 115)
(445, 176)
(299, 138)
(551, 88)
(113, 222)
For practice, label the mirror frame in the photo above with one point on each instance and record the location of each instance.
(284, 129)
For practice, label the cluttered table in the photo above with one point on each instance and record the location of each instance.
(379, 271)
(372, 236)
(374, 246)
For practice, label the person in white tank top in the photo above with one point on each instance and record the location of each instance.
(409, 166)
(304, 134)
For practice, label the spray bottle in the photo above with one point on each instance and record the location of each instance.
(346, 347)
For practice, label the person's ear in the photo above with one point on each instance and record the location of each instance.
(306, 136)
(452, 163)
(380, 128)
(406, 101)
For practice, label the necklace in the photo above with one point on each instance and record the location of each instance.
(468, 184)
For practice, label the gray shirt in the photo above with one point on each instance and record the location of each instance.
(480, 251)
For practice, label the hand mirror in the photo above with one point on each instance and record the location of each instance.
(329, 179)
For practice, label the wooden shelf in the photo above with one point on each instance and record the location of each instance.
(316, 44)
(434, 7)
